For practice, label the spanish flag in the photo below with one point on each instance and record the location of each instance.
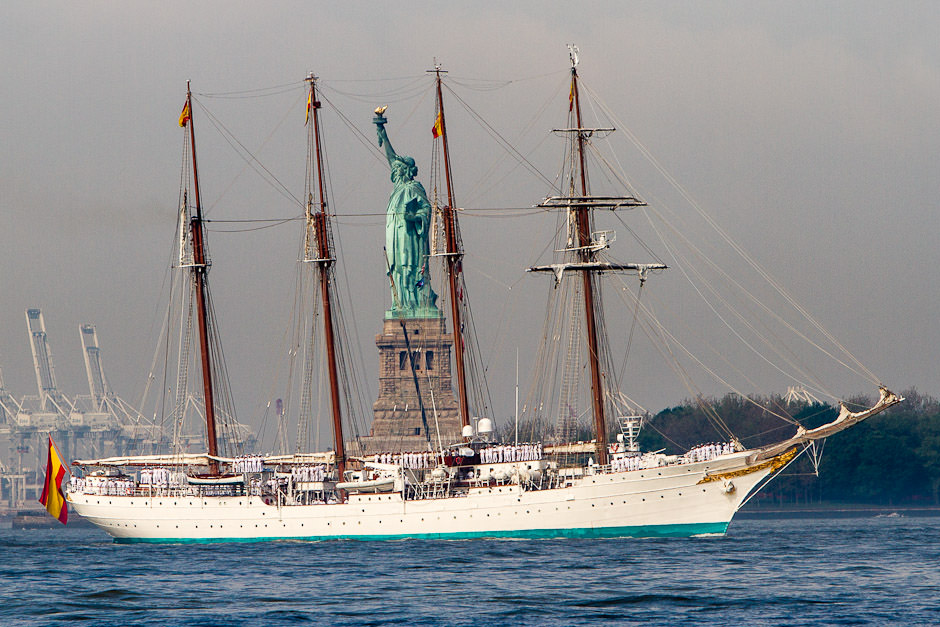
(571, 96)
(438, 129)
(52, 497)
(186, 114)
(309, 103)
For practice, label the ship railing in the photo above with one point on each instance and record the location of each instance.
(432, 489)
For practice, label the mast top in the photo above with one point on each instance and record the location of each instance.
(573, 55)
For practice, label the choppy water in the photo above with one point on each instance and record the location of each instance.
(857, 571)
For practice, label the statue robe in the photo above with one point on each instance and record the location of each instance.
(407, 245)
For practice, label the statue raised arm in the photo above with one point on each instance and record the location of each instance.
(407, 230)
(380, 120)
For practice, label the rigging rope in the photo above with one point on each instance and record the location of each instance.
(859, 368)
(505, 144)
(248, 157)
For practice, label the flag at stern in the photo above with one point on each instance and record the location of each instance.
(52, 496)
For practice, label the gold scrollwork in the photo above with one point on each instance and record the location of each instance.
(774, 464)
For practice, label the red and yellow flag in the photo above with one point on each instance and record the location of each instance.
(186, 114)
(309, 104)
(438, 129)
(52, 496)
(571, 96)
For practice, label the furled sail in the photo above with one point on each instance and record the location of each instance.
(845, 420)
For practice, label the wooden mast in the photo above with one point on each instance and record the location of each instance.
(200, 269)
(453, 256)
(585, 254)
(320, 225)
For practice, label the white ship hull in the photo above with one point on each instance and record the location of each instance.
(675, 500)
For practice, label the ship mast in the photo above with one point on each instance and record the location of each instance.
(586, 255)
(453, 256)
(199, 270)
(318, 225)
(583, 247)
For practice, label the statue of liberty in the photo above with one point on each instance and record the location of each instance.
(407, 233)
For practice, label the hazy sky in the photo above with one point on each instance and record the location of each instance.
(809, 130)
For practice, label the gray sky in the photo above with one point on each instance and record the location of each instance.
(809, 130)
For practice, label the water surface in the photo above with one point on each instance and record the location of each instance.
(855, 571)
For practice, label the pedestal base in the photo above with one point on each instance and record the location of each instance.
(416, 399)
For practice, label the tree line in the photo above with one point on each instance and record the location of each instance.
(892, 458)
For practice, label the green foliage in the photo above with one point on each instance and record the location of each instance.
(892, 458)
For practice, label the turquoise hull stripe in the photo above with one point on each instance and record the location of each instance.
(642, 531)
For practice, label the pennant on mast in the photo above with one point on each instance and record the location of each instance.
(186, 114)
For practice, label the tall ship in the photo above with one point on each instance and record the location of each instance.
(455, 479)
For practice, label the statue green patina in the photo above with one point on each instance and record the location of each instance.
(407, 233)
